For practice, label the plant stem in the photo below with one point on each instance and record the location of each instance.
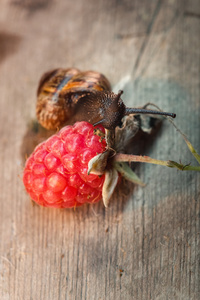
(190, 147)
(138, 158)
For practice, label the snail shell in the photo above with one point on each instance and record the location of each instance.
(60, 93)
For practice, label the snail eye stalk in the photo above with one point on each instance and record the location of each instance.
(129, 111)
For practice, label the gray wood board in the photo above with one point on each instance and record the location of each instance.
(146, 244)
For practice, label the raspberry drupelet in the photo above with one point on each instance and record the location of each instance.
(56, 173)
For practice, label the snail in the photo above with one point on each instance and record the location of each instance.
(65, 96)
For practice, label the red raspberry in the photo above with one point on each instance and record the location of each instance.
(55, 175)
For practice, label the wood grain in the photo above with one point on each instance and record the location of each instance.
(146, 244)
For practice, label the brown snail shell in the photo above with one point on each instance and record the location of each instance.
(60, 91)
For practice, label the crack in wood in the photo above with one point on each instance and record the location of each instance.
(145, 42)
(191, 14)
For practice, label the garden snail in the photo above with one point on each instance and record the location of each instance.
(69, 95)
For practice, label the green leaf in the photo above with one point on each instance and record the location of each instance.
(127, 172)
(192, 150)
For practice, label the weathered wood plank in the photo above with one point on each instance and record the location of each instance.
(146, 244)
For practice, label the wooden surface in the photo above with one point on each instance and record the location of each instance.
(146, 244)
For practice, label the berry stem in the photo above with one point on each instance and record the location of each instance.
(146, 159)
(110, 138)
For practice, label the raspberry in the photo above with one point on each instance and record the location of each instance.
(55, 175)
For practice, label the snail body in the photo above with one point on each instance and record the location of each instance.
(65, 96)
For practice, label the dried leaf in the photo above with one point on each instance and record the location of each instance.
(111, 179)
(98, 163)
